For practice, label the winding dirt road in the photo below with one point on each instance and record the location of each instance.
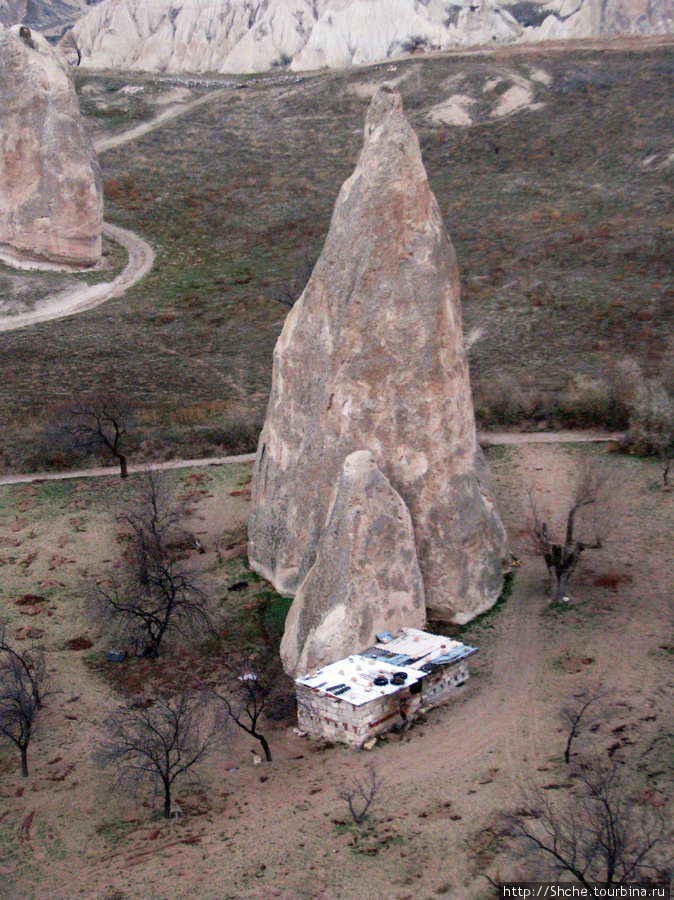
(84, 297)
(141, 255)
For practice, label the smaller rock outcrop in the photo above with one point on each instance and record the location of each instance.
(51, 198)
(366, 578)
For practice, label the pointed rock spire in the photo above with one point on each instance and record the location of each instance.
(372, 357)
(51, 196)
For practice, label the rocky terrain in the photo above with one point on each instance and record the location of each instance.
(371, 357)
(256, 35)
(51, 197)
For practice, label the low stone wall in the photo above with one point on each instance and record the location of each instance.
(337, 720)
(443, 683)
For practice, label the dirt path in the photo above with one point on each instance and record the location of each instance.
(172, 112)
(556, 437)
(84, 297)
(141, 255)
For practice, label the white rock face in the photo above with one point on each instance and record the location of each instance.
(372, 357)
(254, 35)
(51, 200)
(366, 577)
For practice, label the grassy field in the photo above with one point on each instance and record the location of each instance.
(560, 214)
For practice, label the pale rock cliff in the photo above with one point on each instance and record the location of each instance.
(255, 35)
(51, 200)
(372, 357)
(366, 578)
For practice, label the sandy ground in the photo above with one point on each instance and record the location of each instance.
(453, 111)
(518, 97)
(258, 833)
(84, 297)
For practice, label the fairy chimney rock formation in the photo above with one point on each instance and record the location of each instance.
(51, 199)
(371, 357)
(366, 578)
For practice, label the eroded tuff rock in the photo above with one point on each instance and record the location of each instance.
(51, 200)
(366, 578)
(195, 36)
(371, 357)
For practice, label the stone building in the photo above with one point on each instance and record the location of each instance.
(367, 694)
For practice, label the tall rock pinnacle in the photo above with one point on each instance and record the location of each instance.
(371, 357)
(51, 198)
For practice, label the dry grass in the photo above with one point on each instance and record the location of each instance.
(561, 223)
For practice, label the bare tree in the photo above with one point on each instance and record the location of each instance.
(156, 593)
(287, 292)
(562, 557)
(597, 835)
(251, 685)
(154, 519)
(652, 420)
(651, 412)
(360, 794)
(68, 44)
(159, 740)
(24, 684)
(574, 716)
(98, 423)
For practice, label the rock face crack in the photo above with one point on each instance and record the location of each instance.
(365, 578)
(379, 327)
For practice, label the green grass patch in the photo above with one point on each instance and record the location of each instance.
(471, 630)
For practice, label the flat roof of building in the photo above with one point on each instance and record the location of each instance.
(353, 679)
(410, 652)
(415, 648)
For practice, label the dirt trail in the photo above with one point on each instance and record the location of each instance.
(79, 299)
(172, 112)
(113, 471)
(141, 255)
(553, 437)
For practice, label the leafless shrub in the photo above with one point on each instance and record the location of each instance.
(70, 48)
(251, 686)
(414, 44)
(159, 740)
(156, 593)
(24, 685)
(562, 556)
(596, 833)
(288, 291)
(651, 412)
(574, 715)
(361, 793)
